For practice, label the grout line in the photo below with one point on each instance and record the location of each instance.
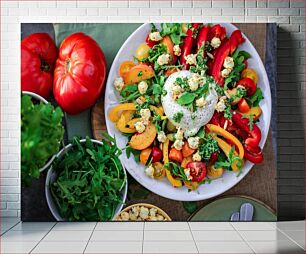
(193, 238)
(244, 240)
(290, 238)
(143, 232)
(42, 238)
(90, 237)
(10, 228)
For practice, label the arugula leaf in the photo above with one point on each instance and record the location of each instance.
(174, 30)
(89, 181)
(250, 118)
(186, 98)
(226, 163)
(131, 88)
(256, 98)
(176, 170)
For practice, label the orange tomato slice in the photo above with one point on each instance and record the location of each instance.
(125, 67)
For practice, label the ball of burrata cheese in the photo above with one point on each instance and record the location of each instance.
(190, 122)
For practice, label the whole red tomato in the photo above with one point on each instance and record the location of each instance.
(38, 56)
(79, 73)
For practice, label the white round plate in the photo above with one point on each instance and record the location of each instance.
(163, 187)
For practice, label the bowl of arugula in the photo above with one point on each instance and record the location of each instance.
(87, 181)
(41, 135)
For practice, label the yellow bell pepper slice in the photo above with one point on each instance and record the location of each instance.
(226, 148)
(191, 185)
(121, 124)
(113, 114)
(254, 111)
(174, 182)
(221, 132)
(157, 110)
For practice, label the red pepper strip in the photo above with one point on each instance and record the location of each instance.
(225, 49)
(217, 31)
(150, 43)
(254, 134)
(187, 45)
(202, 36)
(253, 155)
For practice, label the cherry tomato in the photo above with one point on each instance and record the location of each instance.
(213, 157)
(198, 170)
(249, 85)
(186, 150)
(175, 155)
(243, 106)
(142, 51)
(250, 73)
(149, 42)
(157, 154)
(125, 67)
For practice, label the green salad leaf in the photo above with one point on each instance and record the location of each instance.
(174, 30)
(256, 98)
(89, 181)
(41, 135)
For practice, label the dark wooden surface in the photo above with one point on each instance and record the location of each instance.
(260, 183)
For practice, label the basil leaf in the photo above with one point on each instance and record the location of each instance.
(186, 98)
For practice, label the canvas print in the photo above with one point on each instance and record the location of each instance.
(148, 122)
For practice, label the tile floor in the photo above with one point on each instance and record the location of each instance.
(173, 237)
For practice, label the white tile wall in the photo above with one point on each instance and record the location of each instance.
(289, 13)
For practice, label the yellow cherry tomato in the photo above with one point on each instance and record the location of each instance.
(250, 73)
(142, 51)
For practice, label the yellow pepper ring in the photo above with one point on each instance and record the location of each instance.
(220, 131)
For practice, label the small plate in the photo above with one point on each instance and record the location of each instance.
(222, 209)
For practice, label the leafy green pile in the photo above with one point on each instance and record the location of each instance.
(90, 180)
(41, 136)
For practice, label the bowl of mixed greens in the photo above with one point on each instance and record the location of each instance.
(87, 181)
(42, 133)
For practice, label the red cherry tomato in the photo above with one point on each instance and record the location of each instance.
(38, 57)
(249, 85)
(157, 154)
(150, 43)
(213, 157)
(243, 106)
(175, 155)
(253, 154)
(79, 74)
(198, 170)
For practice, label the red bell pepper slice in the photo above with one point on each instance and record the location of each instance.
(254, 135)
(187, 45)
(253, 154)
(225, 49)
(202, 36)
(217, 31)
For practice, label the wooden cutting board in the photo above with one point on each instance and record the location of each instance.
(259, 183)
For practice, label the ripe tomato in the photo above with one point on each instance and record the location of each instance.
(186, 150)
(157, 154)
(142, 51)
(250, 73)
(243, 106)
(79, 74)
(198, 170)
(149, 42)
(125, 67)
(175, 155)
(249, 85)
(38, 57)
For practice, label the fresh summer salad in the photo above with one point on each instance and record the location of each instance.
(189, 104)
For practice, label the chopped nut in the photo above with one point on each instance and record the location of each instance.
(215, 42)
(177, 50)
(163, 59)
(118, 84)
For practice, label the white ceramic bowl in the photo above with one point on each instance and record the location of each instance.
(52, 175)
(163, 187)
(40, 98)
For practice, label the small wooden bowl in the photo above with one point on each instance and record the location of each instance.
(149, 206)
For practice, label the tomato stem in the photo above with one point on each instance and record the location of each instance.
(68, 65)
(44, 66)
